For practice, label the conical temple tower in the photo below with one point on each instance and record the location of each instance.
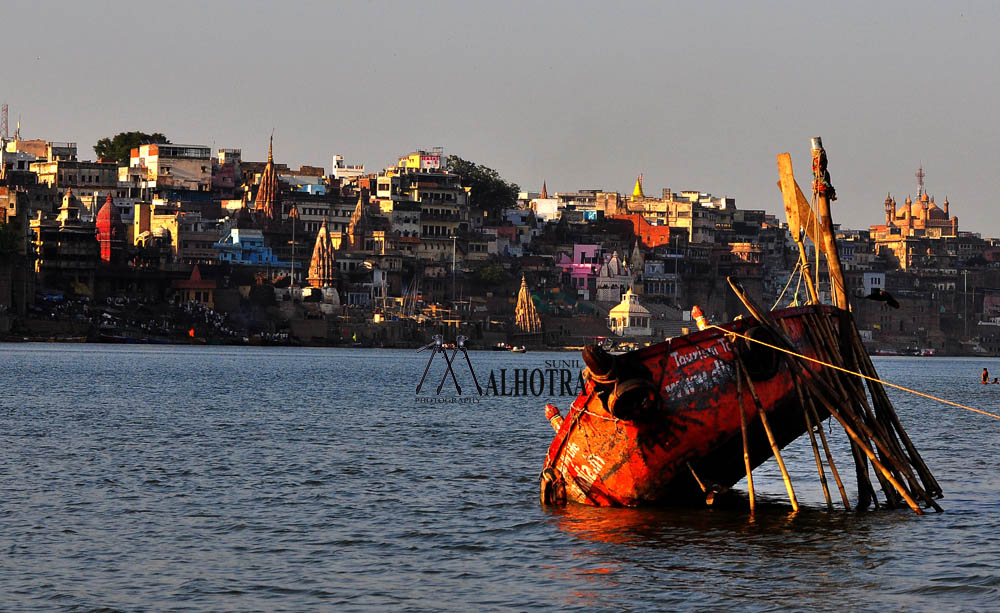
(360, 226)
(525, 316)
(266, 203)
(637, 193)
(323, 268)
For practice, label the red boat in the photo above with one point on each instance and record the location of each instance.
(666, 426)
(690, 417)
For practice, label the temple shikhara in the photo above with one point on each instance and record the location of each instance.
(267, 193)
(526, 318)
(323, 266)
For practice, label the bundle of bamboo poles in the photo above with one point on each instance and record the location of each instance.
(868, 418)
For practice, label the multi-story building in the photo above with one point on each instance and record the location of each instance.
(346, 172)
(191, 238)
(227, 172)
(92, 182)
(444, 204)
(160, 167)
(66, 247)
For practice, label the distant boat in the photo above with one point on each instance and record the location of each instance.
(521, 349)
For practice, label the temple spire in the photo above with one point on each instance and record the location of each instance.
(637, 190)
(323, 267)
(267, 194)
(360, 225)
(525, 315)
(545, 192)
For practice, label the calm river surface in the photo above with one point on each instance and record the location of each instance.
(234, 478)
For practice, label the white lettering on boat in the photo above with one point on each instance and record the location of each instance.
(699, 353)
(703, 379)
(586, 471)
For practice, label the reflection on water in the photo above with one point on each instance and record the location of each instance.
(254, 478)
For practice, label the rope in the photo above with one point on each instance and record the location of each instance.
(790, 277)
(798, 285)
(856, 374)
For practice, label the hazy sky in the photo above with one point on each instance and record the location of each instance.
(580, 94)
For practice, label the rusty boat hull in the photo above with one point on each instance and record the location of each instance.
(667, 429)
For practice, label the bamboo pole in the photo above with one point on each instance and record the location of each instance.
(879, 395)
(871, 455)
(879, 425)
(826, 449)
(822, 392)
(815, 448)
(820, 389)
(767, 428)
(746, 447)
(887, 446)
(824, 342)
(812, 382)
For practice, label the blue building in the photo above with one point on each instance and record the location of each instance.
(246, 246)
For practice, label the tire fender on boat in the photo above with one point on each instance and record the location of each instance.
(632, 399)
(600, 364)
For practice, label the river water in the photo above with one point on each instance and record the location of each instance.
(235, 478)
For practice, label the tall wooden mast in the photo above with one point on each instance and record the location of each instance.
(823, 193)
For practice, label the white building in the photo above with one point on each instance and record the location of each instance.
(346, 171)
(630, 318)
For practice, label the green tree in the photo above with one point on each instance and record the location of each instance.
(487, 190)
(119, 147)
(492, 274)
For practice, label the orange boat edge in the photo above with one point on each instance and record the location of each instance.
(661, 425)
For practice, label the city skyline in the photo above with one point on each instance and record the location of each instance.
(581, 96)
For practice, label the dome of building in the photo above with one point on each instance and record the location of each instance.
(110, 231)
(935, 212)
(108, 215)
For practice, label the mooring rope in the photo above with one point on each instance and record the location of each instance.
(790, 277)
(856, 374)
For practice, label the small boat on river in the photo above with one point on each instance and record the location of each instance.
(686, 419)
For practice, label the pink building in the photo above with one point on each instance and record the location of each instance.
(580, 271)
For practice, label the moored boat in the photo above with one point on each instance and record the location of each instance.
(667, 417)
(687, 418)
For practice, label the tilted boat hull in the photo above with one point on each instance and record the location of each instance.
(685, 438)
